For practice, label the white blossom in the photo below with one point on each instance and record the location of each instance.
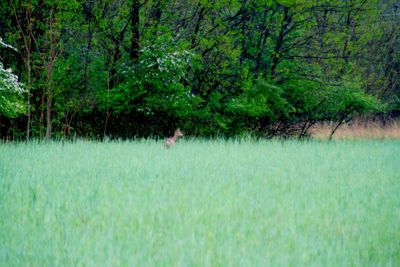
(2, 43)
(10, 93)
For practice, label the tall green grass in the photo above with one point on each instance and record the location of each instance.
(200, 203)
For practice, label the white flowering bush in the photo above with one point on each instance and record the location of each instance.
(11, 98)
(168, 67)
(156, 83)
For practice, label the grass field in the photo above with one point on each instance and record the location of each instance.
(201, 203)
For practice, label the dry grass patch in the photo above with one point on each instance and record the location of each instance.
(358, 129)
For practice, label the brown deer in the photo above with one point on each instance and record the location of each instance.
(168, 142)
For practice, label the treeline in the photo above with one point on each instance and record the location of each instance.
(126, 68)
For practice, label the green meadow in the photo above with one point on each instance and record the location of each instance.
(200, 203)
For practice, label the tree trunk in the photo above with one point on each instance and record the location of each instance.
(54, 53)
(27, 38)
(108, 112)
(41, 119)
(48, 113)
(197, 27)
(135, 20)
(155, 16)
(243, 54)
(287, 20)
(28, 102)
(341, 121)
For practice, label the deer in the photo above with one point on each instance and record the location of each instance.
(170, 141)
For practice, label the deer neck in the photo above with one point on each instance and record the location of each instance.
(175, 137)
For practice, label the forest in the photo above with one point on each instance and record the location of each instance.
(142, 68)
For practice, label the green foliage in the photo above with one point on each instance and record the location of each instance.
(261, 101)
(342, 103)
